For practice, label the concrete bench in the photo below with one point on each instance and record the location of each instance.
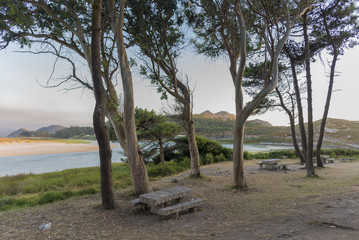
(349, 159)
(180, 207)
(260, 165)
(330, 160)
(282, 166)
(136, 202)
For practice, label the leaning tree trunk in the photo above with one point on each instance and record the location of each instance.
(139, 175)
(302, 131)
(292, 126)
(310, 166)
(116, 121)
(140, 181)
(192, 143)
(327, 104)
(99, 114)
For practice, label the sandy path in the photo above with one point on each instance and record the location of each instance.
(17, 149)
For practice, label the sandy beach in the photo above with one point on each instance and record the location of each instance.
(33, 148)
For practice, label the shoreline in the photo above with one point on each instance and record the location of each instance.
(37, 148)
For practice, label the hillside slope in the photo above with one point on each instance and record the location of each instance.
(50, 129)
(17, 133)
(338, 132)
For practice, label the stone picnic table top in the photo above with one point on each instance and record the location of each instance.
(160, 197)
(272, 164)
(271, 161)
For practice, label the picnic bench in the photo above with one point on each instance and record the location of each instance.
(272, 164)
(349, 159)
(324, 158)
(330, 160)
(168, 201)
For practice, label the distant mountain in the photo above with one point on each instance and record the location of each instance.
(17, 133)
(222, 115)
(50, 129)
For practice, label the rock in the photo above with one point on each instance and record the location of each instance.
(174, 180)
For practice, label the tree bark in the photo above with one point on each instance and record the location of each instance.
(116, 121)
(310, 167)
(302, 130)
(327, 104)
(292, 126)
(100, 128)
(140, 181)
(192, 143)
(185, 100)
(162, 153)
(239, 179)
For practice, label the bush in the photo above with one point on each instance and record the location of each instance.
(336, 152)
(247, 155)
(207, 159)
(204, 146)
(220, 158)
(163, 170)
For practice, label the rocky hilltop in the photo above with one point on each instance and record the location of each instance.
(222, 115)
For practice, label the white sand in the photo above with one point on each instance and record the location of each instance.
(33, 148)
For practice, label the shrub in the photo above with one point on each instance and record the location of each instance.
(162, 170)
(247, 155)
(221, 158)
(207, 159)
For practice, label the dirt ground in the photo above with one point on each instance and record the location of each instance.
(278, 205)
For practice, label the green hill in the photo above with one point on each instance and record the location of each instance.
(338, 132)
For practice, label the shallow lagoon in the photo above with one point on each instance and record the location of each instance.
(60, 161)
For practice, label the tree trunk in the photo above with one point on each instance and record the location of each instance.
(292, 126)
(117, 123)
(239, 180)
(140, 181)
(327, 104)
(192, 143)
(302, 131)
(100, 128)
(310, 167)
(162, 153)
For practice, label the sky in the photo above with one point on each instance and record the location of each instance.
(26, 104)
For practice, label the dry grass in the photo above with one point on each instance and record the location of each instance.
(277, 204)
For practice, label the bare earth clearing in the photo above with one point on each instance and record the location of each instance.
(279, 205)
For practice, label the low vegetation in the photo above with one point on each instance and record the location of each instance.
(31, 190)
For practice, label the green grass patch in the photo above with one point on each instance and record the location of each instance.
(32, 190)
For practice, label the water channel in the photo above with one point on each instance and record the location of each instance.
(60, 161)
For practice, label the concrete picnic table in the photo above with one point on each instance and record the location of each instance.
(271, 164)
(167, 201)
(324, 159)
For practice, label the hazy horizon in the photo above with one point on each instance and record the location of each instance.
(26, 104)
